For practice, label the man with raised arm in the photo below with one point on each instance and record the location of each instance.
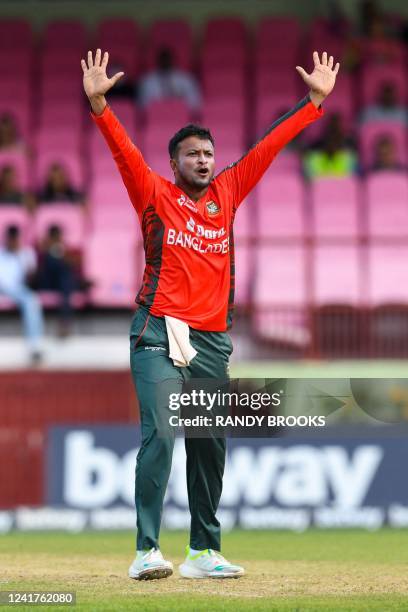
(185, 303)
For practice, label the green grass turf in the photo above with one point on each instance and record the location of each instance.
(316, 570)
(321, 369)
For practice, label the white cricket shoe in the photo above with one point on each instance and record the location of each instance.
(150, 565)
(209, 564)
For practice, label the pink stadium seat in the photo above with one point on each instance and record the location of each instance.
(15, 215)
(230, 29)
(274, 33)
(224, 156)
(155, 141)
(270, 108)
(160, 164)
(115, 284)
(280, 295)
(100, 158)
(375, 50)
(224, 56)
(15, 89)
(70, 218)
(167, 113)
(277, 56)
(286, 162)
(335, 208)
(122, 38)
(280, 206)
(125, 111)
(223, 82)
(371, 132)
(337, 275)
(15, 33)
(55, 118)
(65, 34)
(322, 27)
(103, 166)
(174, 34)
(280, 276)
(62, 139)
(387, 204)
(116, 219)
(244, 226)
(69, 161)
(266, 81)
(374, 76)
(57, 89)
(243, 275)
(116, 30)
(110, 206)
(109, 192)
(388, 276)
(227, 135)
(61, 65)
(16, 65)
(19, 161)
(225, 120)
(219, 109)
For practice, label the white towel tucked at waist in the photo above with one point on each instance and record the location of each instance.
(178, 333)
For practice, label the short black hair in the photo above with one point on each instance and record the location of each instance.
(189, 130)
(54, 231)
(12, 232)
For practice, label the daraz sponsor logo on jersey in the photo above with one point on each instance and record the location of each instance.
(184, 201)
(189, 241)
(202, 232)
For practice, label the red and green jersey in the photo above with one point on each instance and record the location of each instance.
(189, 272)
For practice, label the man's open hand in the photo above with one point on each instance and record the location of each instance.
(321, 81)
(96, 82)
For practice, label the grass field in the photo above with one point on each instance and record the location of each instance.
(316, 570)
(374, 368)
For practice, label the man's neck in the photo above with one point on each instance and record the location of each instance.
(192, 193)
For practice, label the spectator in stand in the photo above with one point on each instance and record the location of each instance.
(9, 138)
(167, 81)
(332, 155)
(386, 107)
(385, 155)
(377, 40)
(17, 267)
(58, 187)
(10, 190)
(59, 270)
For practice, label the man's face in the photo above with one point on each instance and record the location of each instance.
(194, 162)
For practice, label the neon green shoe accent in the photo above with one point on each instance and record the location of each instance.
(196, 556)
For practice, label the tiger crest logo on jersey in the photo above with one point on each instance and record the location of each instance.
(213, 208)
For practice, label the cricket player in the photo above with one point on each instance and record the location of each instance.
(185, 304)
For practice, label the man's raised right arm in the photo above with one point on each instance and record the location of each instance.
(136, 175)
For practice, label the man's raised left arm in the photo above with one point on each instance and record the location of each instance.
(243, 175)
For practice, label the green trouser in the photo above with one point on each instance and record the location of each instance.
(154, 372)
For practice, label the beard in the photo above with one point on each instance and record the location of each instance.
(196, 181)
